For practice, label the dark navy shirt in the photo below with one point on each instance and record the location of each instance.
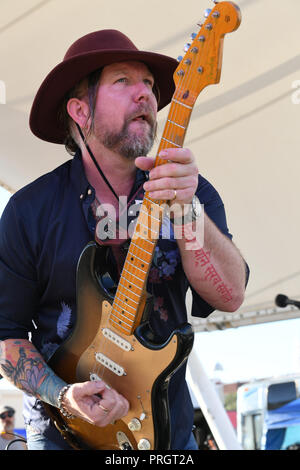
(43, 230)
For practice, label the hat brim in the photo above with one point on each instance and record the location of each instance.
(44, 112)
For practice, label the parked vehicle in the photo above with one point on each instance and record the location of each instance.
(268, 413)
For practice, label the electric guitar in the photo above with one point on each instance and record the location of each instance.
(112, 339)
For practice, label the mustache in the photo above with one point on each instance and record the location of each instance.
(143, 110)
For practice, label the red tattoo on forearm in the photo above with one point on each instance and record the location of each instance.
(202, 257)
(211, 275)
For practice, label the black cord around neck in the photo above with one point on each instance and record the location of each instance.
(96, 163)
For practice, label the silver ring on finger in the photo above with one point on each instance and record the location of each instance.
(106, 410)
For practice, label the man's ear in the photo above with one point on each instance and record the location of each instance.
(79, 111)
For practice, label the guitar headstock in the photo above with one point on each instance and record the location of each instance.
(201, 65)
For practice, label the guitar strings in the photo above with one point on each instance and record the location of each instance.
(176, 115)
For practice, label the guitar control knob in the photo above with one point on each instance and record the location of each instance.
(135, 425)
(144, 444)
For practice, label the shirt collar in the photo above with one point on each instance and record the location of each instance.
(80, 181)
(78, 177)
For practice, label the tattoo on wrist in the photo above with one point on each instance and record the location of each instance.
(31, 374)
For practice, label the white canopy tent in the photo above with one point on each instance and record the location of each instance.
(243, 131)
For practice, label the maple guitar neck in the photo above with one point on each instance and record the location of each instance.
(201, 66)
(125, 314)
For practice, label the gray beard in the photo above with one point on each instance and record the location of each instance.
(128, 145)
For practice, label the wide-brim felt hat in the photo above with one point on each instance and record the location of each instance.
(89, 53)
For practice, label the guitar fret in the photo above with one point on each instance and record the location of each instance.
(149, 215)
(155, 203)
(182, 104)
(120, 319)
(140, 259)
(148, 252)
(123, 287)
(130, 282)
(128, 330)
(131, 264)
(176, 124)
(144, 240)
(123, 308)
(170, 142)
(148, 228)
(142, 280)
(127, 297)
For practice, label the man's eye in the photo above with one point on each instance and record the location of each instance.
(122, 80)
(149, 82)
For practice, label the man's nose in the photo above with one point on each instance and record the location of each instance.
(142, 92)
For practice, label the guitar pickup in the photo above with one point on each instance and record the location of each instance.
(116, 339)
(109, 364)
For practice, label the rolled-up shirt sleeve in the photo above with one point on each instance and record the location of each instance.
(18, 278)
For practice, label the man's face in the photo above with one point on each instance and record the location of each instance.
(7, 421)
(126, 109)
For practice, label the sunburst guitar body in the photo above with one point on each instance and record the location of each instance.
(136, 365)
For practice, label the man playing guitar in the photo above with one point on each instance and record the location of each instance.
(102, 100)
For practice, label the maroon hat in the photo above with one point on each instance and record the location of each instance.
(87, 54)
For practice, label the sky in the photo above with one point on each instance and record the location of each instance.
(244, 353)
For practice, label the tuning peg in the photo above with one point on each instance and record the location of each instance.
(186, 47)
(207, 12)
(179, 58)
(193, 36)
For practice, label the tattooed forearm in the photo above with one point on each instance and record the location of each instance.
(213, 265)
(211, 275)
(22, 365)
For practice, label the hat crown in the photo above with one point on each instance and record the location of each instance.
(89, 53)
(108, 39)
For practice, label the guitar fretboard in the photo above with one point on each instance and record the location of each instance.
(132, 284)
(201, 66)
